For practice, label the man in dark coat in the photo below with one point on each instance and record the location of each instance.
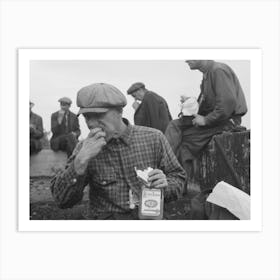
(36, 131)
(65, 128)
(153, 110)
(221, 105)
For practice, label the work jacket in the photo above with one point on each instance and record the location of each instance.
(153, 112)
(221, 96)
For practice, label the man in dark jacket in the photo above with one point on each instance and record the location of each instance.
(36, 131)
(221, 105)
(153, 110)
(65, 128)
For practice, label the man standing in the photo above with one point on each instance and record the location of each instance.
(36, 131)
(107, 158)
(153, 110)
(65, 128)
(221, 105)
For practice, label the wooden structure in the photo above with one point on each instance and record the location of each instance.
(226, 158)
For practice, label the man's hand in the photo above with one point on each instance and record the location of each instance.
(92, 145)
(199, 120)
(135, 105)
(157, 179)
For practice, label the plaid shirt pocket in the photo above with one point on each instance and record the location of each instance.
(112, 193)
(104, 180)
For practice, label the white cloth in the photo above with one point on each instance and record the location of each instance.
(231, 198)
(189, 107)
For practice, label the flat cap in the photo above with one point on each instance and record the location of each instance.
(65, 100)
(99, 98)
(135, 87)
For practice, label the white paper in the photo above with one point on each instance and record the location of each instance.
(144, 174)
(231, 198)
(190, 106)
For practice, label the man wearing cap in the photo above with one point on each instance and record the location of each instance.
(221, 105)
(107, 158)
(36, 130)
(153, 110)
(65, 128)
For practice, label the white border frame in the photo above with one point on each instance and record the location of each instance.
(24, 58)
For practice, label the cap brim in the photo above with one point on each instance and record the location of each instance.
(92, 110)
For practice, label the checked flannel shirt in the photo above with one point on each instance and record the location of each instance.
(111, 173)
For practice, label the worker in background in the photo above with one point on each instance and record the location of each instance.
(36, 130)
(65, 128)
(153, 110)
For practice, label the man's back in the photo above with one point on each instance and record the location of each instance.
(221, 95)
(153, 112)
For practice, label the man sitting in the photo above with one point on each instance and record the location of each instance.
(221, 105)
(36, 131)
(65, 128)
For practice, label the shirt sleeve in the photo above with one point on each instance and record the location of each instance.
(174, 172)
(67, 186)
(225, 98)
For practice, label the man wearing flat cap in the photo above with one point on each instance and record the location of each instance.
(221, 106)
(153, 110)
(107, 158)
(65, 128)
(36, 130)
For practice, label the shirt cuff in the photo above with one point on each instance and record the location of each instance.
(70, 174)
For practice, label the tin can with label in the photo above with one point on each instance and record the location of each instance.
(151, 204)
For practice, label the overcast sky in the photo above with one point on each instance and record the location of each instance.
(51, 80)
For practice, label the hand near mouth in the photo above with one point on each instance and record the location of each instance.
(92, 146)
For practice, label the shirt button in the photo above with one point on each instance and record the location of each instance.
(104, 182)
(74, 180)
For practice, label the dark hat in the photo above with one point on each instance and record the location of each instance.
(99, 98)
(135, 87)
(65, 100)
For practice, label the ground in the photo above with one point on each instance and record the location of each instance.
(43, 207)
